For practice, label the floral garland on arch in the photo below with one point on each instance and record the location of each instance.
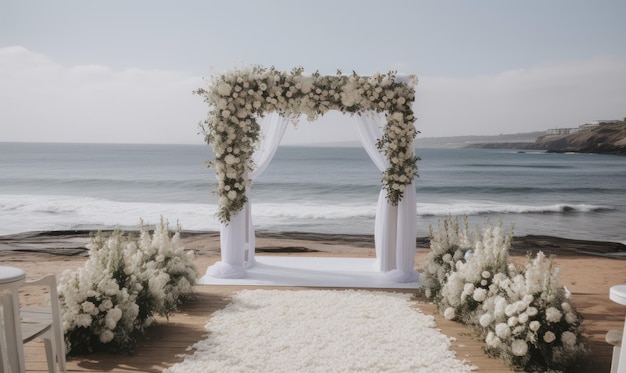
(240, 96)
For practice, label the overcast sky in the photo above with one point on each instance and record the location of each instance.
(123, 71)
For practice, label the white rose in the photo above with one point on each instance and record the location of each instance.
(88, 307)
(480, 295)
(106, 336)
(549, 337)
(232, 195)
(107, 304)
(534, 325)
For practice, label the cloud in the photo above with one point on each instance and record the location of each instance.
(46, 101)
(558, 95)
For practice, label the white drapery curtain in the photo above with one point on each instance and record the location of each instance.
(237, 237)
(395, 226)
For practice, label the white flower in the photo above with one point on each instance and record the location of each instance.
(520, 307)
(486, 274)
(88, 307)
(480, 295)
(503, 331)
(571, 318)
(553, 315)
(492, 340)
(447, 258)
(519, 347)
(397, 116)
(528, 299)
(534, 325)
(512, 321)
(232, 195)
(105, 305)
(106, 336)
(83, 320)
(509, 310)
(468, 288)
(224, 89)
(523, 317)
(532, 311)
(549, 337)
(230, 159)
(485, 320)
(449, 313)
(566, 307)
(568, 338)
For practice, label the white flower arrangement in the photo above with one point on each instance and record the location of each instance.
(126, 281)
(449, 245)
(524, 316)
(238, 97)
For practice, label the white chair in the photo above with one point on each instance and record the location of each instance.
(614, 338)
(34, 323)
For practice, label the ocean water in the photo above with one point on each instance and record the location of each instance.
(325, 190)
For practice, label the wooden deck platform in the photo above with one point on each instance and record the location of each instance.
(168, 339)
(165, 342)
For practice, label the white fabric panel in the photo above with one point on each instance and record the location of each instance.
(273, 128)
(237, 237)
(370, 129)
(405, 239)
(395, 226)
(231, 247)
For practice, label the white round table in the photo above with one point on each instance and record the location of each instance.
(11, 274)
(618, 295)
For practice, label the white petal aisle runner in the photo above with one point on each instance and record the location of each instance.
(321, 331)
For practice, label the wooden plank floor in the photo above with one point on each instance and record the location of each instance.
(168, 339)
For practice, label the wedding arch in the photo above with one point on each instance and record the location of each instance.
(249, 111)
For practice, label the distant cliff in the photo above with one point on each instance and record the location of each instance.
(607, 138)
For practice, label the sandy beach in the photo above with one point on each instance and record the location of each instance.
(588, 270)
